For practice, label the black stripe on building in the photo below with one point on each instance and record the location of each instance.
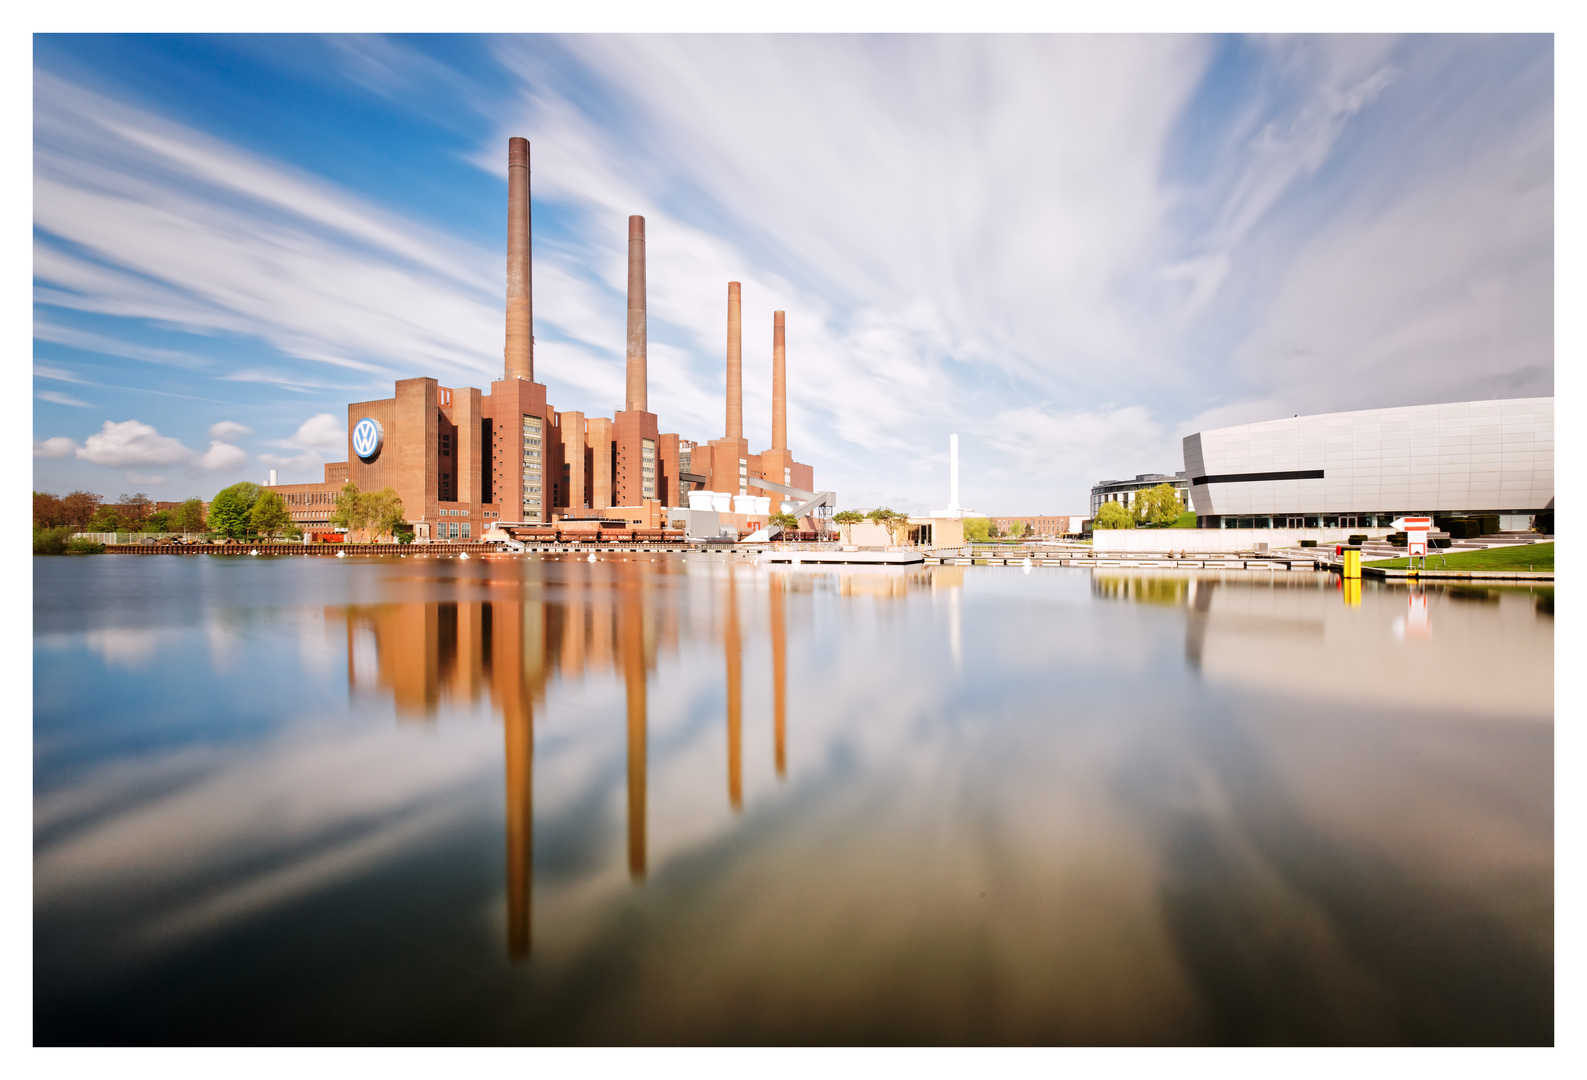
(1252, 477)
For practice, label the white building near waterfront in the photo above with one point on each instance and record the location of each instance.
(1360, 470)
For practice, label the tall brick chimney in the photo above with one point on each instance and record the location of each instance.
(735, 362)
(779, 382)
(636, 315)
(519, 355)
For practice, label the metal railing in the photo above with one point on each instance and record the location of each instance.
(130, 537)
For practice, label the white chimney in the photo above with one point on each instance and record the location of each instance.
(953, 472)
(953, 509)
(273, 477)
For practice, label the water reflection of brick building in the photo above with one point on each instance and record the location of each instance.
(591, 619)
(463, 460)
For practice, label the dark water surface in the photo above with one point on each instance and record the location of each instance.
(681, 799)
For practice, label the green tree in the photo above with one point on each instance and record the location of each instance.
(844, 519)
(187, 518)
(783, 521)
(898, 526)
(350, 512)
(1112, 515)
(369, 514)
(385, 512)
(51, 541)
(269, 516)
(1158, 506)
(978, 529)
(230, 509)
(107, 518)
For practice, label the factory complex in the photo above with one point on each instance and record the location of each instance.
(472, 465)
(465, 462)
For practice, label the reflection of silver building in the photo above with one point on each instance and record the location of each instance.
(1363, 469)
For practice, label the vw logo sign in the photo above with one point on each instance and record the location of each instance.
(368, 437)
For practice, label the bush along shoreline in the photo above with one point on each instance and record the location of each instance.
(60, 541)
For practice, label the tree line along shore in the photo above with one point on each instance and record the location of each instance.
(243, 511)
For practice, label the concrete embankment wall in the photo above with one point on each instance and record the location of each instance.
(1133, 540)
(293, 549)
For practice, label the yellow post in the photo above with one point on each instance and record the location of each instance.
(1352, 563)
(1352, 591)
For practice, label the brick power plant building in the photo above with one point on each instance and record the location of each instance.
(463, 461)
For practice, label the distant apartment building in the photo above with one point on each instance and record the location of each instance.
(1048, 527)
(1125, 492)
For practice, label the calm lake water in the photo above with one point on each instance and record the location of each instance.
(678, 799)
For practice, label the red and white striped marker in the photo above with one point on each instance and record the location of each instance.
(1416, 530)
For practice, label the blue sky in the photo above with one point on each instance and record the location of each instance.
(1071, 250)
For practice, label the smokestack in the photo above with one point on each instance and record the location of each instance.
(779, 383)
(519, 355)
(272, 479)
(953, 472)
(735, 362)
(636, 314)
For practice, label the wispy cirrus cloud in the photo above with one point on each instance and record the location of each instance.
(203, 235)
(58, 398)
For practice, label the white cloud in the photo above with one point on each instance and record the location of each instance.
(306, 460)
(58, 447)
(228, 431)
(130, 444)
(322, 431)
(320, 434)
(58, 398)
(221, 456)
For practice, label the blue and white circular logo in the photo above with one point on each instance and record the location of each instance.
(368, 438)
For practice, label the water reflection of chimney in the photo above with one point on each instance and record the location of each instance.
(516, 662)
(631, 616)
(518, 740)
(779, 675)
(575, 630)
(735, 691)
(1196, 621)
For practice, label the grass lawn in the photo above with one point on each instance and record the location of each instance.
(1523, 557)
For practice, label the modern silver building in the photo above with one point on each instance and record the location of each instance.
(1361, 470)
